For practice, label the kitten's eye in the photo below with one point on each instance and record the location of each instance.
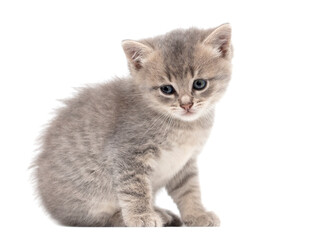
(167, 89)
(199, 84)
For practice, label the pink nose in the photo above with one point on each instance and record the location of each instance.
(187, 106)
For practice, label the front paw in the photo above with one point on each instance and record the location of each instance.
(203, 219)
(144, 220)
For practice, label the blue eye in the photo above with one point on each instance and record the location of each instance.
(167, 89)
(199, 84)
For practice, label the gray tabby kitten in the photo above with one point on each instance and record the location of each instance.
(113, 146)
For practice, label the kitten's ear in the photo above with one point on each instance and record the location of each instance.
(136, 52)
(220, 39)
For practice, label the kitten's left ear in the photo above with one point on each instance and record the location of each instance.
(136, 53)
(220, 39)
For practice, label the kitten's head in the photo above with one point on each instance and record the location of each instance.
(184, 72)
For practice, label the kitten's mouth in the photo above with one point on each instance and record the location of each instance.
(188, 113)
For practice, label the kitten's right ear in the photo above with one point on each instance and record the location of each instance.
(136, 52)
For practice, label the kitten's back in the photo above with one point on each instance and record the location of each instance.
(71, 168)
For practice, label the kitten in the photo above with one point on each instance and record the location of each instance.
(114, 145)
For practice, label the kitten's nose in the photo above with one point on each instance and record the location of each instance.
(187, 106)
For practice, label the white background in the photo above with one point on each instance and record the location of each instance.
(256, 171)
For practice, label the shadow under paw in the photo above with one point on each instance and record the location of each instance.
(169, 219)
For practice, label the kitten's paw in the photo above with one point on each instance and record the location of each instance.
(144, 220)
(205, 219)
(169, 219)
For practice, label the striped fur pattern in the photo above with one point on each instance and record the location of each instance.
(114, 145)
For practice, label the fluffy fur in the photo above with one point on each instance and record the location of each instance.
(108, 151)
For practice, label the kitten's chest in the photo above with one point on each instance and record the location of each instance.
(173, 157)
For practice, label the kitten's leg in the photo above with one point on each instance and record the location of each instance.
(185, 191)
(168, 218)
(134, 192)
